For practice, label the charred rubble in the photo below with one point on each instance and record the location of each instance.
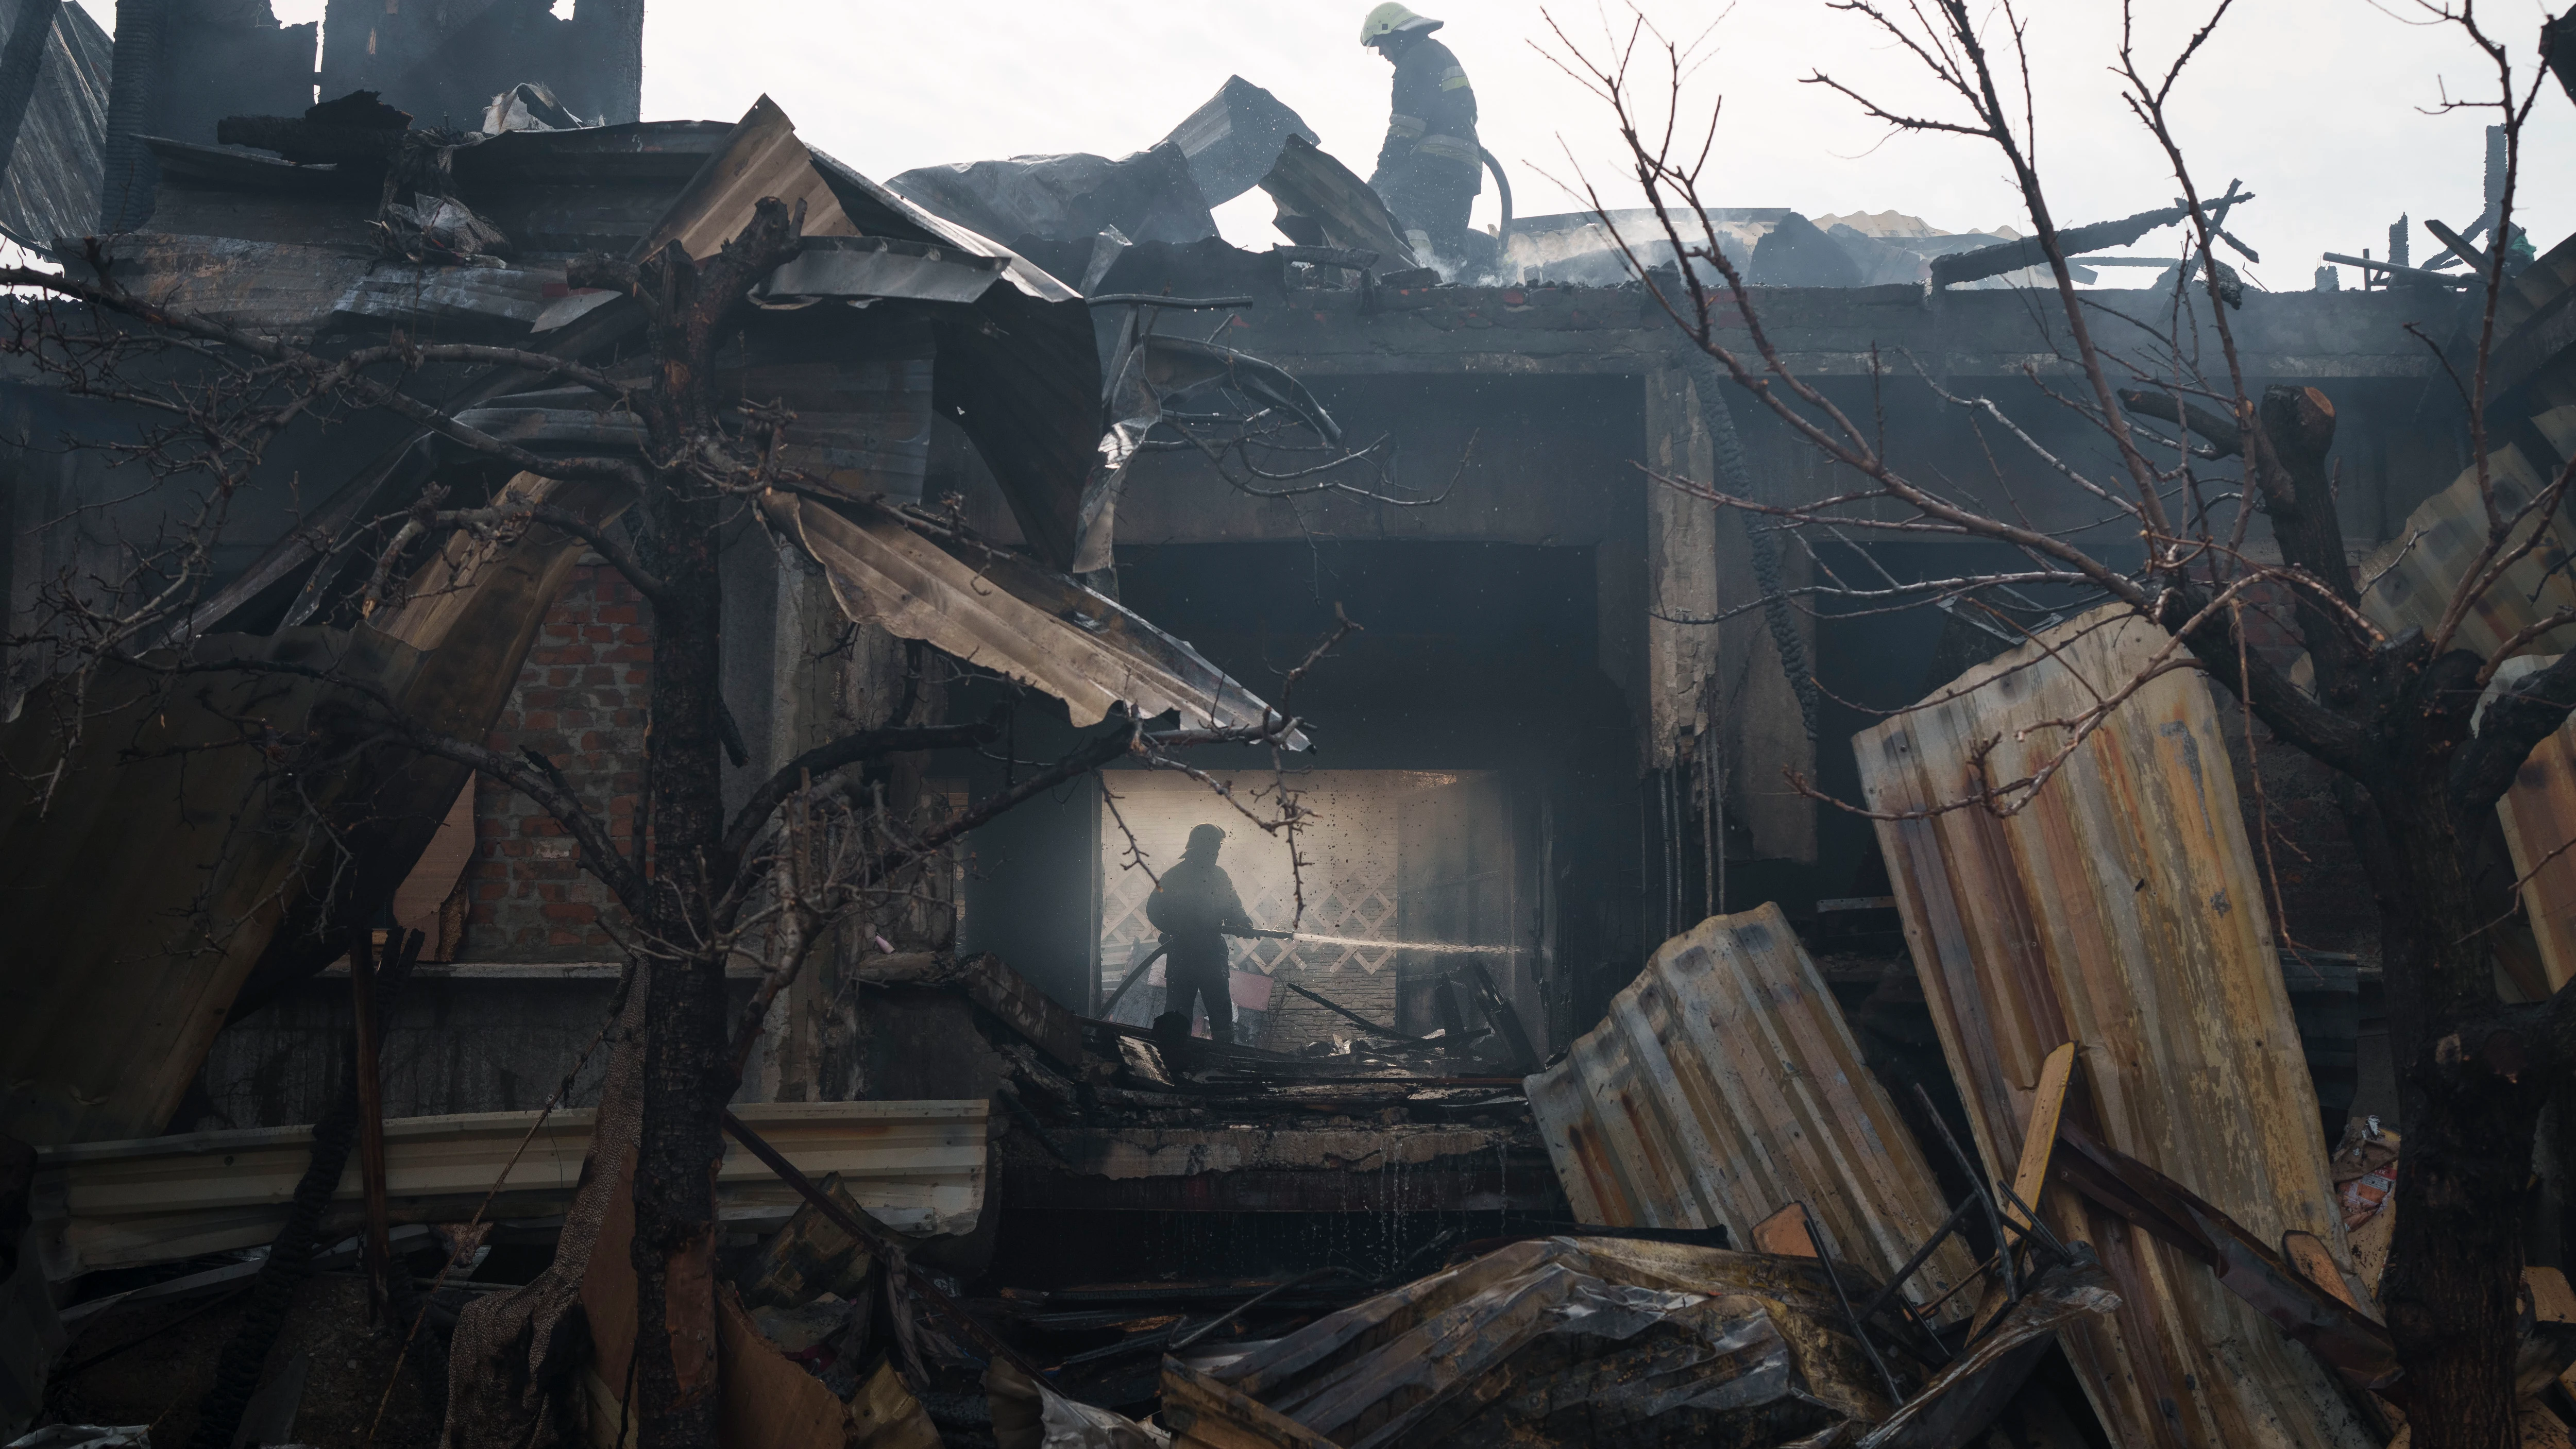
(1589, 1082)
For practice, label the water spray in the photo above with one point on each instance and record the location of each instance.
(1440, 947)
(1137, 972)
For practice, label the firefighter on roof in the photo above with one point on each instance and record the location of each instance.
(1427, 170)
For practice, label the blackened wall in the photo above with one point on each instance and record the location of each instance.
(183, 65)
(444, 60)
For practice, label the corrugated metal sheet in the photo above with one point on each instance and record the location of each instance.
(765, 158)
(917, 1166)
(1547, 1342)
(295, 291)
(1002, 613)
(58, 128)
(2120, 910)
(881, 267)
(1723, 1086)
(2423, 565)
(2539, 819)
(277, 288)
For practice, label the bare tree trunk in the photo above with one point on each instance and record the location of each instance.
(687, 1073)
(2471, 1110)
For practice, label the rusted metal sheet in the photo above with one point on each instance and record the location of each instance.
(2412, 578)
(916, 1166)
(1723, 1086)
(1002, 613)
(2416, 572)
(2120, 909)
(1551, 1341)
(2539, 818)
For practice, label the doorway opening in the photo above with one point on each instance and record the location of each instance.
(1389, 865)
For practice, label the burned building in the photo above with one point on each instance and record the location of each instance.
(1565, 983)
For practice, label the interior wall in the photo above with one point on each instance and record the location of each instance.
(1471, 657)
(1350, 869)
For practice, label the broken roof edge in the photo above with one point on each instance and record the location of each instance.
(761, 155)
(1000, 611)
(1030, 278)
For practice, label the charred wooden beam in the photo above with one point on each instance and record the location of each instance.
(2073, 241)
(310, 142)
(290, 1258)
(2226, 440)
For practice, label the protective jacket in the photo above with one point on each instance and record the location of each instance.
(1195, 902)
(1430, 153)
(1192, 907)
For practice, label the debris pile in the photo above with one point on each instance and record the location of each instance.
(2021, 1124)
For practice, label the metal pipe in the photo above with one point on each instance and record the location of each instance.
(2073, 241)
(1860, 1330)
(1977, 1183)
(1921, 1255)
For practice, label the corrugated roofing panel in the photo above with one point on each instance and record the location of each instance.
(50, 186)
(1723, 1086)
(1000, 612)
(2120, 909)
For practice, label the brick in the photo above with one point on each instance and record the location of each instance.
(582, 698)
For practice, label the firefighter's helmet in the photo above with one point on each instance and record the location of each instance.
(1392, 19)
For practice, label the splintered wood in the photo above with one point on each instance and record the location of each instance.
(2120, 909)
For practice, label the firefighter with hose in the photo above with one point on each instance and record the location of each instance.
(1195, 907)
(1427, 171)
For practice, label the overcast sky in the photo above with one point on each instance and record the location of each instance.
(2320, 105)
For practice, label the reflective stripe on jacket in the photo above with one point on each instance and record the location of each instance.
(1432, 117)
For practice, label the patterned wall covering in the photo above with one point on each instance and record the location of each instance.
(1349, 846)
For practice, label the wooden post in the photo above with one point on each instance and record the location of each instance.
(1721, 685)
(1683, 589)
(371, 1116)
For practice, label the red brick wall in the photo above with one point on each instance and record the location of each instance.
(581, 700)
